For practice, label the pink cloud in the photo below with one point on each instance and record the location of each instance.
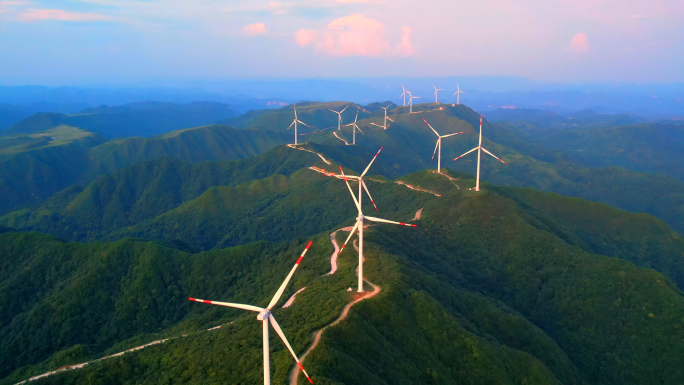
(31, 15)
(354, 35)
(254, 29)
(579, 43)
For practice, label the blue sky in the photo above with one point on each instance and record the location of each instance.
(129, 41)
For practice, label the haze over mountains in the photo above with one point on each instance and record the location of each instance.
(112, 216)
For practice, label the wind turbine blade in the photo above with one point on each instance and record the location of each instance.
(304, 123)
(333, 111)
(359, 128)
(378, 125)
(455, 93)
(295, 110)
(390, 119)
(369, 164)
(229, 304)
(351, 233)
(428, 124)
(291, 125)
(278, 330)
(350, 190)
(466, 153)
(485, 150)
(281, 289)
(434, 152)
(369, 196)
(350, 124)
(386, 221)
(344, 109)
(445, 136)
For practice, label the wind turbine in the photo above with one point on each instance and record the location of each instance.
(439, 146)
(478, 148)
(361, 217)
(295, 121)
(339, 117)
(458, 94)
(403, 94)
(437, 90)
(411, 97)
(264, 316)
(386, 119)
(354, 127)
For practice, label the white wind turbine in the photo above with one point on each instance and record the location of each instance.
(294, 122)
(438, 146)
(436, 91)
(458, 94)
(386, 119)
(411, 97)
(339, 117)
(403, 94)
(478, 148)
(361, 217)
(354, 127)
(265, 316)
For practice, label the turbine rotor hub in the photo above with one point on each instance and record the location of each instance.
(360, 218)
(263, 315)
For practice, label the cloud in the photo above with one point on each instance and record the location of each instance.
(579, 43)
(254, 29)
(355, 35)
(31, 15)
(8, 3)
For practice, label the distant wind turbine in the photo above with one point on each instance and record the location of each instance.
(360, 218)
(339, 117)
(458, 94)
(354, 127)
(386, 119)
(478, 148)
(265, 316)
(436, 91)
(403, 94)
(294, 122)
(411, 97)
(438, 146)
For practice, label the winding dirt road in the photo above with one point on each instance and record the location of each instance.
(294, 372)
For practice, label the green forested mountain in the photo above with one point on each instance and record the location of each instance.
(502, 286)
(33, 167)
(43, 166)
(145, 191)
(144, 119)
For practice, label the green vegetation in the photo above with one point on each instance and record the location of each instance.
(501, 286)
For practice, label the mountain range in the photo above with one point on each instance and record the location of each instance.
(100, 248)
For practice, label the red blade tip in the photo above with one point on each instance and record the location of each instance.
(308, 245)
(192, 299)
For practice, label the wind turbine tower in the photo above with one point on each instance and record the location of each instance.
(479, 149)
(411, 97)
(354, 127)
(438, 146)
(339, 117)
(294, 123)
(360, 218)
(264, 315)
(403, 94)
(386, 119)
(436, 91)
(458, 94)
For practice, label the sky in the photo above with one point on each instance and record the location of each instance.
(78, 42)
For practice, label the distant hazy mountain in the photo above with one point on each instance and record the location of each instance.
(136, 119)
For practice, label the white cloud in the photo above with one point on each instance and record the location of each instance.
(579, 42)
(355, 35)
(31, 15)
(254, 29)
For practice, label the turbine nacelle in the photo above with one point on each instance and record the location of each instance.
(264, 315)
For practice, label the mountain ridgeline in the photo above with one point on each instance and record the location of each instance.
(102, 241)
